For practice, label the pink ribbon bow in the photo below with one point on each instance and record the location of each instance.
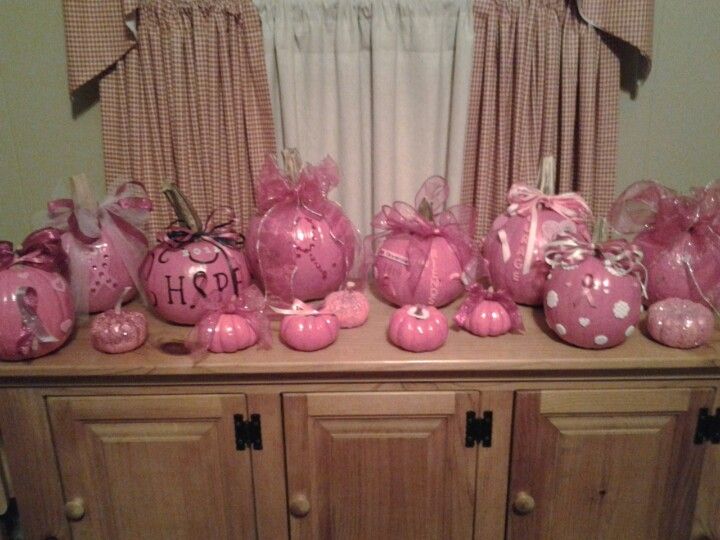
(619, 256)
(525, 201)
(455, 224)
(478, 294)
(41, 249)
(221, 234)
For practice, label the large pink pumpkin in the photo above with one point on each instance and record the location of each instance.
(440, 281)
(505, 247)
(175, 280)
(418, 328)
(296, 255)
(309, 332)
(55, 311)
(668, 275)
(103, 267)
(680, 323)
(590, 305)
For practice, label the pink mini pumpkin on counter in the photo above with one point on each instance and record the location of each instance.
(117, 331)
(308, 329)
(417, 328)
(680, 323)
(488, 313)
(350, 306)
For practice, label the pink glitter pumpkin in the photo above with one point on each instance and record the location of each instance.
(593, 294)
(117, 331)
(191, 262)
(425, 253)
(418, 328)
(301, 245)
(351, 307)
(105, 243)
(308, 330)
(680, 323)
(36, 306)
(488, 313)
(679, 237)
(514, 247)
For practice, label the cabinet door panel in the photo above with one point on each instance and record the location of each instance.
(154, 466)
(606, 463)
(381, 465)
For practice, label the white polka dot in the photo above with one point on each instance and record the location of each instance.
(584, 322)
(552, 299)
(629, 331)
(601, 340)
(560, 329)
(621, 309)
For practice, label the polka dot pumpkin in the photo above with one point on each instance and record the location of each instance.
(590, 305)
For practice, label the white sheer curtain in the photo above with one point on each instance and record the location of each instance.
(380, 85)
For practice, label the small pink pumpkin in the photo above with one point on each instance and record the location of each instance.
(117, 331)
(488, 313)
(192, 263)
(514, 247)
(36, 305)
(228, 333)
(309, 330)
(418, 328)
(593, 294)
(350, 307)
(680, 323)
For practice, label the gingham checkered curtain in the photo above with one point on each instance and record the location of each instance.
(546, 81)
(186, 100)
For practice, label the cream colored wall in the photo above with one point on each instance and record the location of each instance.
(669, 131)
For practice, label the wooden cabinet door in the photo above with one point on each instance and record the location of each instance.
(605, 463)
(160, 467)
(385, 465)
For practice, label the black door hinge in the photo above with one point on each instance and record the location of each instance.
(708, 427)
(248, 433)
(478, 430)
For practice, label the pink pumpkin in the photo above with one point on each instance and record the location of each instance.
(439, 283)
(418, 328)
(301, 245)
(680, 323)
(117, 331)
(229, 332)
(515, 246)
(36, 306)
(591, 304)
(489, 318)
(350, 307)
(177, 277)
(309, 332)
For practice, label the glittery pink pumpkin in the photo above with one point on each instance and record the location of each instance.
(418, 328)
(309, 332)
(107, 275)
(350, 307)
(230, 333)
(176, 279)
(680, 323)
(489, 318)
(55, 310)
(440, 282)
(117, 331)
(505, 247)
(590, 305)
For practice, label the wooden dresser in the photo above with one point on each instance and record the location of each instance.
(515, 437)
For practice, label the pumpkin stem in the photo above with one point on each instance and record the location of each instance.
(82, 194)
(293, 163)
(546, 176)
(184, 210)
(425, 209)
(120, 300)
(419, 312)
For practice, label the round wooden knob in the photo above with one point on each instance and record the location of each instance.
(75, 509)
(299, 505)
(524, 503)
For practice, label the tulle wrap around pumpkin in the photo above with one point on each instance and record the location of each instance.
(233, 325)
(192, 261)
(514, 247)
(301, 245)
(679, 237)
(486, 312)
(36, 305)
(424, 253)
(105, 243)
